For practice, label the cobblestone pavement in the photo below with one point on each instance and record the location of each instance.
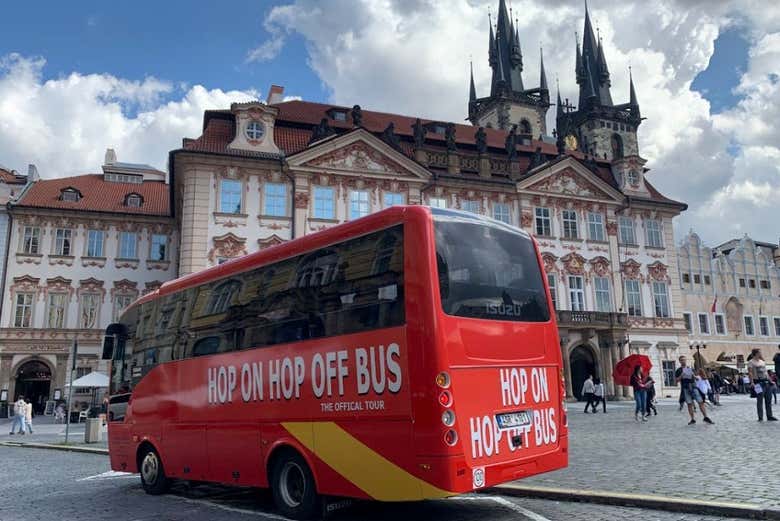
(665, 456)
(64, 486)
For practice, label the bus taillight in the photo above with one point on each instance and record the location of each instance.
(451, 438)
(445, 398)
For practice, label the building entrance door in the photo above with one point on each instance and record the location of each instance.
(33, 381)
(583, 364)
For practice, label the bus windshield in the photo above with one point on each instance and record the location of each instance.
(488, 270)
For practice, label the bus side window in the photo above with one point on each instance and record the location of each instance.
(206, 346)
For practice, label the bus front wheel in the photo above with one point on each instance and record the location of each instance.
(153, 477)
(293, 487)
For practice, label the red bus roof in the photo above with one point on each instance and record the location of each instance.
(338, 233)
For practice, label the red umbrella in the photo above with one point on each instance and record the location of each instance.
(625, 368)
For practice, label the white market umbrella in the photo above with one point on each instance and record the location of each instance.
(93, 379)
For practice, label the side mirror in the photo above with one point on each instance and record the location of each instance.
(108, 347)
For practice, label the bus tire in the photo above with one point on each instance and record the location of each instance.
(153, 478)
(293, 486)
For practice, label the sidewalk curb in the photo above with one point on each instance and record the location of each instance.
(671, 504)
(52, 446)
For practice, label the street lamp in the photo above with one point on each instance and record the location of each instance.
(698, 345)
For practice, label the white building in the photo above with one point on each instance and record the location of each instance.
(81, 249)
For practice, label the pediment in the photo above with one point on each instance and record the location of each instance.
(357, 152)
(570, 178)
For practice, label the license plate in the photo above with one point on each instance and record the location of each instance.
(510, 420)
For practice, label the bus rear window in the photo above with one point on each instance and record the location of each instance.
(488, 271)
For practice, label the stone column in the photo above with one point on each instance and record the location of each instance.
(421, 156)
(195, 215)
(567, 373)
(484, 166)
(617, 390)
(608, 365)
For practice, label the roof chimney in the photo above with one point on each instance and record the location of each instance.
(110, 157)
(275, 95)
(32, 173)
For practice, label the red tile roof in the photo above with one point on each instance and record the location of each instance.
(98, 195)
(11, 178)
(296, 119)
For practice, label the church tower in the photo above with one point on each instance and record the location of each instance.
(509, 102)
(597, 126)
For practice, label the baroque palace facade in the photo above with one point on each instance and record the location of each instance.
(263, 173)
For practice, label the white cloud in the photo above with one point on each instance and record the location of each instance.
(64, 125)
(411, 57)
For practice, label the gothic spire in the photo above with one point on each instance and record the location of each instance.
(604, 81)
(491, 44)
(593, 67)
(508, 61)
(632, 102)
(590, 91)
(543, 75)
(472, 88)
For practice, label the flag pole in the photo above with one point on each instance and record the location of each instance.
(70, 388)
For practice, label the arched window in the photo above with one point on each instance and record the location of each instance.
(134, 200)
(222, 297)
(525, 126)
(617, 146)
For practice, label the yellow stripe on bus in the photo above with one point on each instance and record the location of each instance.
(375, 475)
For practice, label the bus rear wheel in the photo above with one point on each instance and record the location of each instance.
(293, 487)
(153, 478)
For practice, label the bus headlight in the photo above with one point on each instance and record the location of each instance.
(448, 418)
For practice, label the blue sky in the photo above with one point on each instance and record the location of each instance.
(206, 43)
(184, 42)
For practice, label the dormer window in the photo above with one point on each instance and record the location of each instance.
(633, 178)
(339, 115)
(255, 130)
(134, 200)
(70, 195)
(437, 128)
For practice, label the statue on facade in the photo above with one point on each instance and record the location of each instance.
(357, 116)
(511, 143)
(481, 139)
(449, 137)
(389, 136)
(419, 131)
(321, 131)
(537, 159)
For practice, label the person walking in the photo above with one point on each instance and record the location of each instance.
(28, 413)
(600, 395)
(19, 410)
(759, 380)
(685, 376)
(703, 386)
(716, 382)
(640, 393)
(775, 383)
(588, 390)
(650, 388)
(776, 360)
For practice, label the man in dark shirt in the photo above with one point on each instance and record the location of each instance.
(686, 376)
(776, 360)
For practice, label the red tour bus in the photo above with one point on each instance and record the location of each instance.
(410, 354)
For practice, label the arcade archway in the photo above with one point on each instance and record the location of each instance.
(33, 381)
(583, 363)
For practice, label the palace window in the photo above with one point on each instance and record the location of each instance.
(501, 212)
(707, 280)
(704, 324)
(553, 290)
(31, 240)
(569, 224)
(543, 222)
(230, 196)
(437, 202)
(720, 325)
(120, 303)
(359, 205)
(128, 242)
(741, 283)
(70, 195)
(749, 327)
(275, 199)
(697, 278)
(626, 230)
(765, 284)
(595, 226)
(669, 369)
(688, 322)
(90, 306)
(393, 199)
(763, 326)
(603, 295)
(95, 243)
(58, 303)
(159, 247)
(255, 130)
(752, 283)
(576, 293)
(62, 241)
(134, 201)
(654, 236)
(777, 326)
(23, 311)
(661, 299)
(324, 206)
(686, 278)
(633, 298)
(470, 206)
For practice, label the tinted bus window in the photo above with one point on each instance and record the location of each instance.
(488, 271)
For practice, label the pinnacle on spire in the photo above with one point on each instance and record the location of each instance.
(543, 75)
(593, 67)
(602, 62)
(491, 43)
(472, 88)
(590, 91)
(632, 101)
